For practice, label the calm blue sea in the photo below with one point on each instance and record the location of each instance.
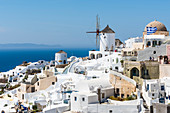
(11, 58)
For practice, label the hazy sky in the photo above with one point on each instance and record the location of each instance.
(65, 22)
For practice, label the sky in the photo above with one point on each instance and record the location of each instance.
(65, 22)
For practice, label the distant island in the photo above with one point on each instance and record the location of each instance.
(26, 46)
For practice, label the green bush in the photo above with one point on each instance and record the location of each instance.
(34, 107)
(122, 99)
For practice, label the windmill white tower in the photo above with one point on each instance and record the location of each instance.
(107, 39)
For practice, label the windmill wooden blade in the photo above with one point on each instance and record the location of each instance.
(96, 40)
(91, 32)
(97, 31)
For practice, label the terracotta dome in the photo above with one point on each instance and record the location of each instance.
(160, 26)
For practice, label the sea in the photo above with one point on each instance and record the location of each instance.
(10, 58)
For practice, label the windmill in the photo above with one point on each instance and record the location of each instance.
(97, 31)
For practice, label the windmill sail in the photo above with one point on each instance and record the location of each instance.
(97, 31)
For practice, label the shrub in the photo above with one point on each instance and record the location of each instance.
(34, 107)
(122, 99)
(130, 98)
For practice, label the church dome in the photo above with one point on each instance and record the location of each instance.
(160, 26)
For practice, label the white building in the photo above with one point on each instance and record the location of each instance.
(153, 40)
(157, 37)
(80, 100)
(154, 91)
(129, 43)
(90, 92)
(107, 44)
(107, 39)
(61, 57)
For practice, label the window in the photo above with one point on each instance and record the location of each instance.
(117, 90)
(162, 88)
(68, 96)
(83, 99)
(38, 83)
(64, 61)
(32, 89)
(122, 95)
(125, 53)
(53, 83)
(94, 77)
(103, 96)
(148, 43)
(127, 95)
(116, 68)
(147, 87)
(75, 98)
(154, 43)
(22, 96)
(154, 52)
(47, 75)
(117, 60)
(110, 111)
(153, 94)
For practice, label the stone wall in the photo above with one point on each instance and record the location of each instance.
(146, 69)
(125, 87)
(164, 70)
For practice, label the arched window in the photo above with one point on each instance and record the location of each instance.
(92, 56)
(159, 43)
(148, 44)
(117, 60)
(99, 55)
(154, 43)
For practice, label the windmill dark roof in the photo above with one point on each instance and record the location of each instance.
(61, 51)
(107, 29)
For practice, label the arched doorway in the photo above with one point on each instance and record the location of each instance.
(159, 43)
(99, 55)
(134, 72)
(154, 43)
(148, 44)
(92, 56)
